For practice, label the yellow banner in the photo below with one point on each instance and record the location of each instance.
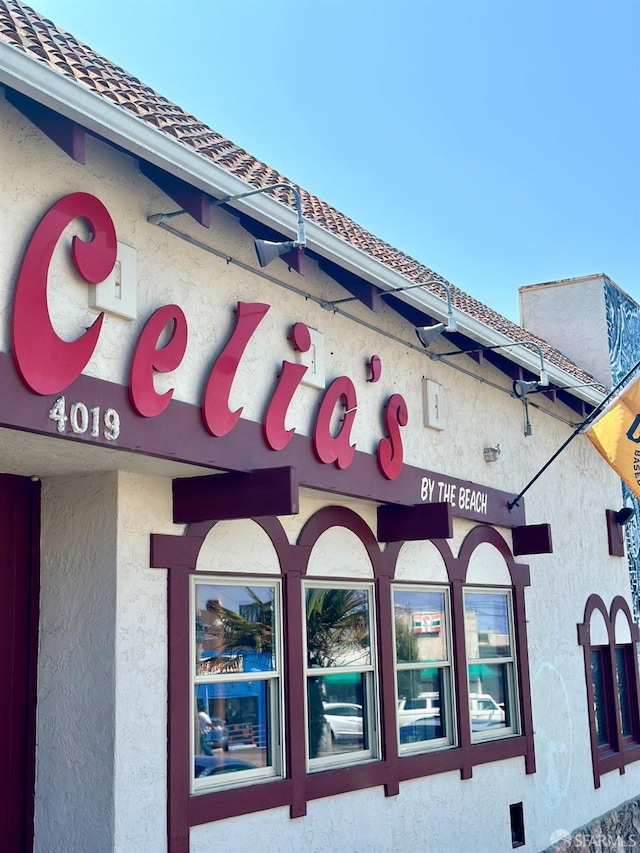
(616, 434)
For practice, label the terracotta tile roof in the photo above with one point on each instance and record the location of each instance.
(39, 38)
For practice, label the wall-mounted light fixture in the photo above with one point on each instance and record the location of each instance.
(491, 454)
(428, 334)
(266, 250)
(623, 516)
(616, 521)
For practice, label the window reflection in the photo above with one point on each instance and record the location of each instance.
(336, 713)
(420, 626)
(236, 695)
(490, 664)
(423, 679)
(340, 673)
(337, 627)
(487, 625)
(233, 717)
(599, 697)
(234, 629)
(623, 693)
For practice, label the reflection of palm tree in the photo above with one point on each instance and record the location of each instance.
(337, 621)
(406, 652)
(335, 618)
(235, 633)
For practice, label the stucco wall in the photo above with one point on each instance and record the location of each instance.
(101, 771)
(140, 762)
(570, 315)
(76, 711)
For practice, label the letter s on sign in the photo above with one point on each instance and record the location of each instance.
(46, 363)
(390, 452)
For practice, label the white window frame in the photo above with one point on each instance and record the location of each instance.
(371, 711)
(275, 677)
(450, 717)
(512, 699)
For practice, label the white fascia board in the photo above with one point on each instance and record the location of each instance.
(47, 86)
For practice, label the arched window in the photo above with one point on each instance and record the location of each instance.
(609, 639)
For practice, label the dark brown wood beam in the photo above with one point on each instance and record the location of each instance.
(266, 491)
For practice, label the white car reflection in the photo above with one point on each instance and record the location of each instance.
(413, 709)
(344, 721)
(485, 712)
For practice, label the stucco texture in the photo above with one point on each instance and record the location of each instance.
(102, 674)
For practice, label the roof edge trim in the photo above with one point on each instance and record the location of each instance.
(45, 85)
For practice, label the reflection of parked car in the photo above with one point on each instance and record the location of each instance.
(213, 765)
(425, 728)
(219, 735)
(415, 708)
(344, 720)
(485, 712)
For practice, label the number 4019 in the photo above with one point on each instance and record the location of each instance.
(82, 419)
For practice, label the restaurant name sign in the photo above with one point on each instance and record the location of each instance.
(48, 364)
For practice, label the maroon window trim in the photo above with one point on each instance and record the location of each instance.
(620, 750)
(179, 554)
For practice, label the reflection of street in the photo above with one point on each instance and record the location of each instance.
(251, 753)
(246, 752)
(337, 747)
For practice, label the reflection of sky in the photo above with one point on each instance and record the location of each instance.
(415, 600)
(491, 611)
(231, 597)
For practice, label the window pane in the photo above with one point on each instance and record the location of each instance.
(487, 625)
(489, 691)
(623, 693)
(420, 626)
(234, 629)
(599, 698)
(338, 631)
(232, 727)
(422, 711)
(337, 714)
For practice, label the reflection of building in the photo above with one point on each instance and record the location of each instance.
(426, 623)
(241, 705)
(174, 416)
(426, 631)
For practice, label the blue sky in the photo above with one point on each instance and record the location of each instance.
(496, 141)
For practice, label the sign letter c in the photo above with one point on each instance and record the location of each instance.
(46, 363)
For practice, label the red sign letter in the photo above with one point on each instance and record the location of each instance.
(147, 357)
(338, 449)
(273, 426)
(46, 363)
(218, 418)
(390, 449)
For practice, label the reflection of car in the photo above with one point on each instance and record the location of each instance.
(415, 708)
(219, 734)
(485, 712)
(344, 720)
(214, 765)
(425, 728)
